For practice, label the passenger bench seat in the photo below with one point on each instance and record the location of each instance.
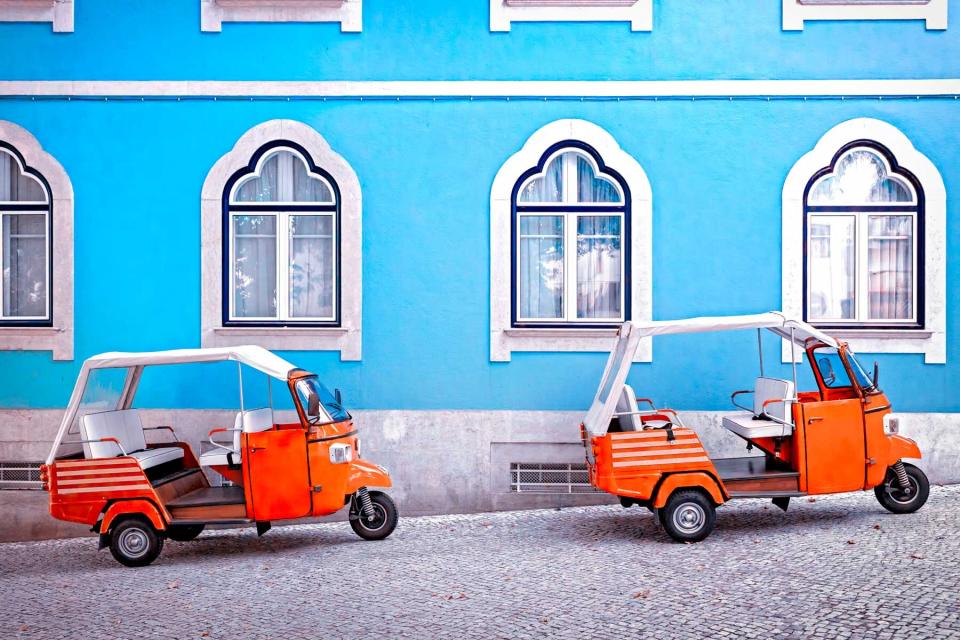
(125, 426)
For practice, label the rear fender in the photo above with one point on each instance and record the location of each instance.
(125, 507)
(692, 480)
(366, 474)
(901, 447)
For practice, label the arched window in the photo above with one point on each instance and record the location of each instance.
(281, 220)
(864, 223)
(25, 250)
(571, 247)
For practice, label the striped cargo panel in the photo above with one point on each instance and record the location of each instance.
(649, 449)
(99, 476)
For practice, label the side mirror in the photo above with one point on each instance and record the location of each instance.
(338, 396)
(876, 374)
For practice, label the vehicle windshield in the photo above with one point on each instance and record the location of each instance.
(319, 405)
(863, 379)
(832, 371)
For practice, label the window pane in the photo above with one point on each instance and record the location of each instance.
(24, 265)
(598, 267)
(262, 188)
(546, 188)
(307, 187)
(283, 178)
(860, 177)
(831, 368)
(831, 268)
(255, 266)
(541, 267)
(16, 186)
(890, 265)
(311, 266)
(592, 188)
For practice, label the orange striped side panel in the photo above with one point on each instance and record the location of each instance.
(99, 476)
(652, 449)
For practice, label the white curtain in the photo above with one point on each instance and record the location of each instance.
(546, 188)
(15, 186)
(590, 187)
(598, 267)
(890, 264)
(24, 265)
(311, 266)
(541, 267)
(255, 266)
(831, 267)
(6, 176)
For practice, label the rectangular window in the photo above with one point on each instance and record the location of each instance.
(890, 265)
(599, 267)
(255, 266)
(24, 259)
(541, 269)
(312, 276)
(831, 290)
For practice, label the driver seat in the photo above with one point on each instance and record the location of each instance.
(252, 421)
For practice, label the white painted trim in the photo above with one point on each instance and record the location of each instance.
(349, 13)
(59, 337)
(347, 338)
(932, 340)
(59, 13)
(796, 12)
(503, 338)
(926, 87)
(639, 13)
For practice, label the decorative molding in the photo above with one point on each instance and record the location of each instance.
(505, 339)
(58, 13)
(639, 13)
(625, 89)
(349, 13)
(796, 12)
(347, 338)
(931, 341)
(59, 337)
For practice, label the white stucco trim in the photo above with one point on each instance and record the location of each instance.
(425, 89)
(347, 337)
(59, 337)
(796, 12)
(349, 13)
(504, 339)
(639, 13)
(59, 13)
(931, 341)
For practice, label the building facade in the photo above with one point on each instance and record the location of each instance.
(446, 208)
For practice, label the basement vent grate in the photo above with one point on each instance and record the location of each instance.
(20, 475)
(538, 477)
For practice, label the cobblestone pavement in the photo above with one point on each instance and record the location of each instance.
(837, 568)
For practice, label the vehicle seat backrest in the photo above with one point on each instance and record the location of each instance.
(773, 389)
(257, 420)
(627, 403)
(123, 425)
(238, 427)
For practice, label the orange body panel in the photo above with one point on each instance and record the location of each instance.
(693, 480)
(277, 479)
(835, 446)
(139, 506)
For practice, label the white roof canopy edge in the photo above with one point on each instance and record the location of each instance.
(621, 357)
(251, 355)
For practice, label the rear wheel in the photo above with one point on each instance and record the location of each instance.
(184, 532)
(384, 519)
(134, 542)
(688, 516)
(896, 498)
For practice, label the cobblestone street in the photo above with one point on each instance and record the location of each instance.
(839, 567)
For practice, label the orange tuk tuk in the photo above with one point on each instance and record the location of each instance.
(102, 471)
(832, 439)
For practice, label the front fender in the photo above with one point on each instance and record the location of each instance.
(901, 447)
(124, 507)
(366, 474)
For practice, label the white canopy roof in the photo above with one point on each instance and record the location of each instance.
(250, 355)
(628, 340)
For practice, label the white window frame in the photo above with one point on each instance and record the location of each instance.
(504, 338)
(931, 339)
(59, 13)
(348, 13)
(57, 338)
(797, 12)
(345, 338)
(639, 13)
(570, 238)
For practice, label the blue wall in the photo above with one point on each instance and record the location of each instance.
(716, 167)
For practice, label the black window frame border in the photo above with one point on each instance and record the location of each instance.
(626, 242)
(227, 208)
(919, 209)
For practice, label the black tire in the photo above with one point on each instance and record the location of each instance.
(134, 542)
(184, 532)
(383, 523)
(688, 516)
(895, 499)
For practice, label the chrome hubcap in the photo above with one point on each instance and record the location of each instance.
(377, 521)
(689, 517)
(900, 495)
(133, 542)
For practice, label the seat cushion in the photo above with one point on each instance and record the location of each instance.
(219, 458)
(152, 457)
(773, 389)
(743, 424)
(123, 425)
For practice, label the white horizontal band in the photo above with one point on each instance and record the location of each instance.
(639, 444)
(138, 477)
(653, 433)
(105, 488)
(656, 452)
(484, 88)
(95, 462)
(646, 463)
(98, 472)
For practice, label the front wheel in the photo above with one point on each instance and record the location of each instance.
(896, 498)
(134, 542)
(384, 519)
(688, 516)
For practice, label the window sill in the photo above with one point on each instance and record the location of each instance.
(559, 340)
(560, 332)
(55, 339)
(853, 334)
(341, 339)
